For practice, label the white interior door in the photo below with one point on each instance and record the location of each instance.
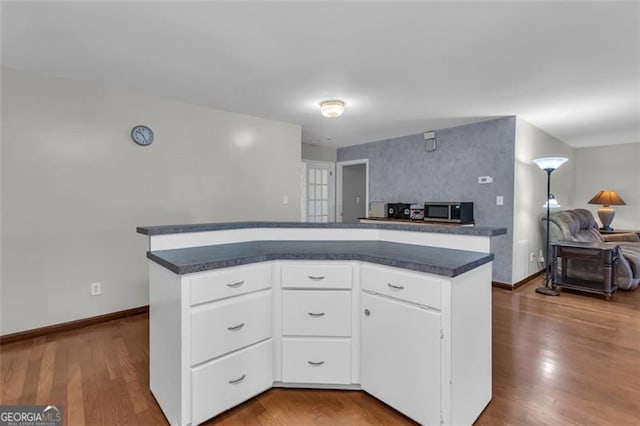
(319, 191)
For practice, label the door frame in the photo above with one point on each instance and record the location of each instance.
(332, 187)
(339, 178)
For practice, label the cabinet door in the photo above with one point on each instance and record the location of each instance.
(400, 356)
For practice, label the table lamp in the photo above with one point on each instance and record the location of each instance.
(606, 213)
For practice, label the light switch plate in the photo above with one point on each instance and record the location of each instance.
(499, 200)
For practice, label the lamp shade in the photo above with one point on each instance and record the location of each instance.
(607, 197)
(552, 203)
(550, 163)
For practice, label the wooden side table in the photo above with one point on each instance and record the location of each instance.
(605, 254)
(620, 231)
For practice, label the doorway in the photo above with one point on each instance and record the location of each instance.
(352, 190)
(318, 191)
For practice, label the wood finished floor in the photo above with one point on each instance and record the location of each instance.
(573, 359)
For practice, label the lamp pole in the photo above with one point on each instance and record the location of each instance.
(546, 288)
(548, 164)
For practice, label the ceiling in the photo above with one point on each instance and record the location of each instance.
(571, 68)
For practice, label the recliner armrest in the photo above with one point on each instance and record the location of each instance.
(627, 236)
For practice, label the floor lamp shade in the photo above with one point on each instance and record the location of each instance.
(550, 163)
(606, 214)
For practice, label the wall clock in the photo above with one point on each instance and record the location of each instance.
(142, 135)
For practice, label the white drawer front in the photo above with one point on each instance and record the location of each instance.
(316, 275)
(316, 361)
(210, 286)
(410, 286)
(316, 313)
(221, 327)
(226, 382)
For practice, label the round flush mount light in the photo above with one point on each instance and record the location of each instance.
(331, 109)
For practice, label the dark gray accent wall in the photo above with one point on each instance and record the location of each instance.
(401, 170)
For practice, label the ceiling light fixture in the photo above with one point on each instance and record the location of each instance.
(331, 109)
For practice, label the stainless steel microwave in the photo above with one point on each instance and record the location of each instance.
(452, 212)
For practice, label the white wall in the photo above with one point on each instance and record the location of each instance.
(318, 153)
(74, 188)
(614, 167)
(530, 191)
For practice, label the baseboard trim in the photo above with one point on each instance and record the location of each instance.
(501, 285)
(71, 325)
(506, 286)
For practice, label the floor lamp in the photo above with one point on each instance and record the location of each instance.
(548, 164)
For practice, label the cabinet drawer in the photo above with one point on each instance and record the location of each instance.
(226, 382)
(316, 313)
(410, 286)
(316, 361)
(210, 286)
(316, 275)
(221, 327)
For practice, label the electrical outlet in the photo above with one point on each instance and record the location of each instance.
(532, 257)
(96, 289)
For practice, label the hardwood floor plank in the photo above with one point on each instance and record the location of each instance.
(75, 397)
(14, 370)
(45, 381)
(567, 360)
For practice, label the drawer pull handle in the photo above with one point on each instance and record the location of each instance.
(316, 278)
(316, 314)
(316, 362)
(234, 285)
(238, 380)
(236, 327)
(395, 287)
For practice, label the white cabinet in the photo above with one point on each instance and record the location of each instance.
(419, 342)
(230, 380)
(316, 313)
(229, 282)
(413, 287)
(221, 327)
(400, 356)
(316, 323)
(324, 361)
(316, 275)
(426, 342)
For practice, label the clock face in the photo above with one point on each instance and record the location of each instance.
(142, 135)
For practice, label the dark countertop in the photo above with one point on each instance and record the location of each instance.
(437, 228)
(434, 260)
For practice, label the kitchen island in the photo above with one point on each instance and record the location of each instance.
(238, 308)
